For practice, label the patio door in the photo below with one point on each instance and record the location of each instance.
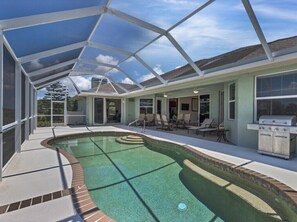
(173, 107)
(204, 101)
(113, 110)
(159, 106)
(98, 110)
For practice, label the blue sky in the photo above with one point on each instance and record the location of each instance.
(221, 27)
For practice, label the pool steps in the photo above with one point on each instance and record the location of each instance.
(130, 139)
(245, 195)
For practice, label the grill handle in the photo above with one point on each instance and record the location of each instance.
(285, 137)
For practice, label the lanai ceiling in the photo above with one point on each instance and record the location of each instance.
(126, 46)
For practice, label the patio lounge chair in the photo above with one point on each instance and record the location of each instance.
(165, 124)
(204, 125)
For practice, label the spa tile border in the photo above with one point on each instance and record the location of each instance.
(272, 184)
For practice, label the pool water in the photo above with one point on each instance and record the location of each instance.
(133, 183)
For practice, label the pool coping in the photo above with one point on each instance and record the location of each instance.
(272, 184)
(81, 199)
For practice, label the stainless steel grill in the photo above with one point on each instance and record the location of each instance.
(275, 137)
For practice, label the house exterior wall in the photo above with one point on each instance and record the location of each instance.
(245, 106)
(245, 110)
(89, 110)
(130, 110)
(214, 105)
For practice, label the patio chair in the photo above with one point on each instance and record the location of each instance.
(150, 119)
(159, 121)
(140, 120)
(186, 121)
(165, 124)
(179, 120)
(204, 125)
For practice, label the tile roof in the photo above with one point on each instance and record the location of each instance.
(239, 55)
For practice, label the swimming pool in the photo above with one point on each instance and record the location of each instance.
(148, 182)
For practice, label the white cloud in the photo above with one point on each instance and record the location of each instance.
(157, 69)
(177, 2)
(200, 35)
(146, 77)
(108, 60)
(270, 11)
(35, 64)
(82, 82)
(276, 13)
(127, 81)
(181, 5)
(102, 69)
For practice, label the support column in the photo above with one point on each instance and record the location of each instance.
(104, 111)
(65, 110)
(35, 109)
(51, 110)
(18, 109)
(27, 104)
(1, 103)
(123, 111)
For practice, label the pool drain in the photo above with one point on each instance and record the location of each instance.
(182, 207)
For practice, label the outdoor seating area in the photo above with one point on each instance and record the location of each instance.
(208, 129)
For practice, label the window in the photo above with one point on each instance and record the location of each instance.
(146, 106)
(231, 101)
(276, 95)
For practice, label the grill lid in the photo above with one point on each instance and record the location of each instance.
(278, 120)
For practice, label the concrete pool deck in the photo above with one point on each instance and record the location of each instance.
(38, 171)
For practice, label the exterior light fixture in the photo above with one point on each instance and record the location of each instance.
(165, 95)
(195, 91)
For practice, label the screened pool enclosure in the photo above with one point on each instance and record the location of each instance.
(61, 52)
